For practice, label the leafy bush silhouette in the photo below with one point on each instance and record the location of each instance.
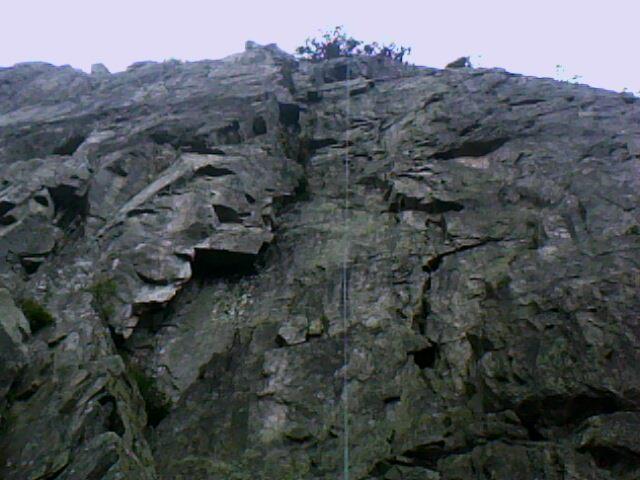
(336, 43)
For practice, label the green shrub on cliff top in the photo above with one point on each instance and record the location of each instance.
(335, 43)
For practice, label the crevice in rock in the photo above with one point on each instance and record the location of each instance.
(212, 171)
(152, 317)
(426, 455)
(54, 475)
(301, 192)
(468, 129)
(5, 207)
(185, 142)
(281, 342)
(31, 263)
(307, 147)
(118, 339)
(433, 263)
(532, 432)
(70, 145)
(471, 149)
(289, 114)
(117, 168)
(42, 200)
(314, 144)
(425, 357)
(134, 212)
(22, 393)
(419, 323)
(227, 214)
(284, 203)
(560, 411)
(526, 101)
(113, 422)
(480, 345)
(68, 204)
(7, 220)
(380, 469)
(619, 461)
(259, 126)
(403, 203)
(156, 403)
(153, 281)
(212, 263)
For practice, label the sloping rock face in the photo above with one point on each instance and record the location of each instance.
(257, 268)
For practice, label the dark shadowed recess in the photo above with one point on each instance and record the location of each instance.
(471, 149)
(5, 206)
(619, 461)
(289, 114)
(259, 126)
(185, 141)
(209, 264)
(403, 203)
(227, 214)
(339, 73)
(7, 219)
(564, 411)
(425, 357)
(69, 146)
(68, 204)
(211, 171)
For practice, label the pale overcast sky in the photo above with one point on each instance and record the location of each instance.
(597, 40)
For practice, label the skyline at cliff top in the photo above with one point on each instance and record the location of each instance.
(590, 43)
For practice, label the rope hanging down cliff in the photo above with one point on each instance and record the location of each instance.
(345, 283)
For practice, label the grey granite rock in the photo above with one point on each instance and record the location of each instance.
(14, 330)
(185, 225)
(99, 69)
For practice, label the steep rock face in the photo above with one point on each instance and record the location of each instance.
(210, 265)
(13, 330)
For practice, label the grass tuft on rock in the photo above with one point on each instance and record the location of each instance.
(104, 293)
(38, 316)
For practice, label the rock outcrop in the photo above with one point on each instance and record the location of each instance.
(188, 232)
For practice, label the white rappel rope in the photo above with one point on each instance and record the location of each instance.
(345, 284)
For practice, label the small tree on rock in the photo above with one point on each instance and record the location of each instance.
(335, 43)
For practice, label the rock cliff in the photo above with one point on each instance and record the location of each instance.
(181, 251)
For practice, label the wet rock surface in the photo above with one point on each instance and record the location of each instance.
(178, 235)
